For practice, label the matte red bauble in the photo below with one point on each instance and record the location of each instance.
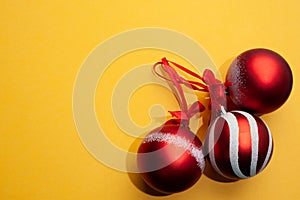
(261, 81)
(238, 145)
(170, 158)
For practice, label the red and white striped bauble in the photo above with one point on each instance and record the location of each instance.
(238, 145)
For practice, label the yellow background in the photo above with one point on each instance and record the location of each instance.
(42, 46)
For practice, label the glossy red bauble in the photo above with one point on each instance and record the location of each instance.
(238, 145)
(261, 81)
(170, 158)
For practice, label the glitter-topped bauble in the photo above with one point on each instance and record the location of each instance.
(238, 145)
(261, 81)
(170, 158)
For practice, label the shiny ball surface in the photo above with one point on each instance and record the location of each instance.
(238, 145)
(261, 81)
(170, 158)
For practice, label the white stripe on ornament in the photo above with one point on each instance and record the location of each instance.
(234, 144)
(211, 144)
(179, 142)
(254, 141)
(270, 147)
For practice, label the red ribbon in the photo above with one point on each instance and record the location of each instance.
(210, 84)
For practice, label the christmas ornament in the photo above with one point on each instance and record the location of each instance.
(261, 81)
(170, 157)
(238, 145)
(176, 160)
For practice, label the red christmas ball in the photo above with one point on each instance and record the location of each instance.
(238, 145)
(261, 81)
(170, 158)
(230, 106)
